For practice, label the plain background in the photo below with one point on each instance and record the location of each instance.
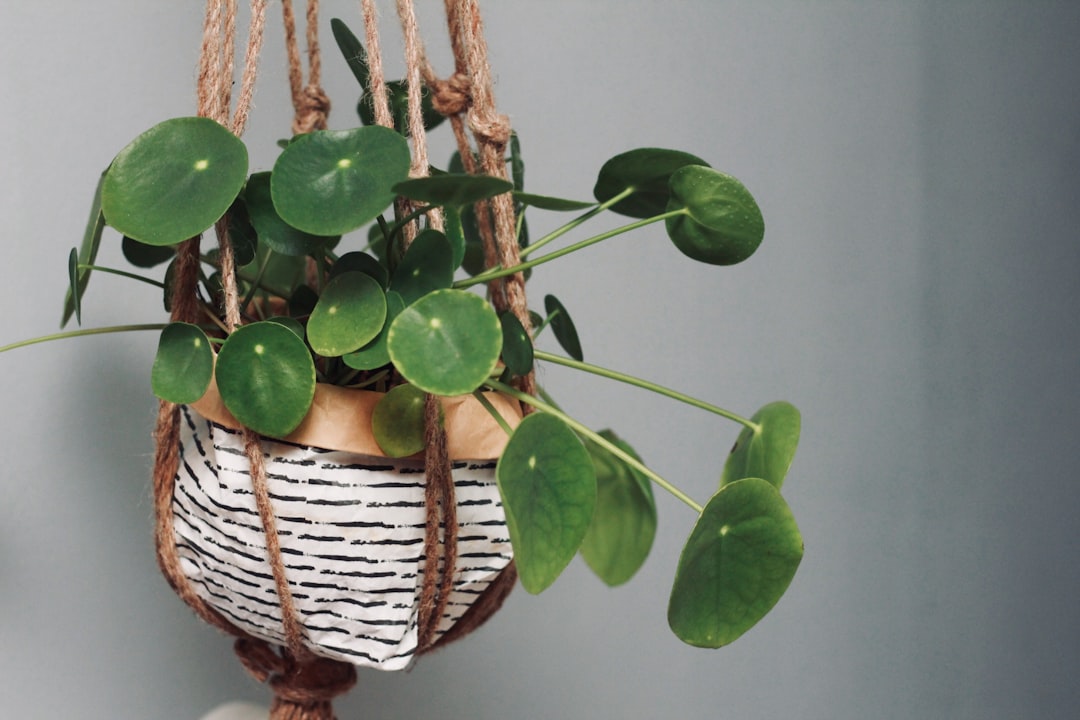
(915, 297)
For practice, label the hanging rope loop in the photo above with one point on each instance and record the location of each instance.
(302, 691)
(311, 106)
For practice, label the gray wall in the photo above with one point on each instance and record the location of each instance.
(915, 297)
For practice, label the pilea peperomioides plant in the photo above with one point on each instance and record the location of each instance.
(320, 307)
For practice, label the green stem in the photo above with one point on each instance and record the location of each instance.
(560, 231)
(599, 440)
(80, 333)
(123, 273)
(646, 385)
(247, 277)
(479, 395)
(495, 273)
(256, 282)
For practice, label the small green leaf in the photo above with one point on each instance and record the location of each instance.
(353, 52)
(646, 170)
(563, 327)
(398, 421)
(266, 377)
(375, 354)
(329, 182)
(174, 181)
(517, 352)
(398, 95)
(426, 266)
(453, 190)
(73, 283)
(722, 224)
(623, 525)
(548, 487)
(361, 262)
(142, 255)
(184, 364)
(737, 563)
(766, 453)
(543, 202)
(290, 323)
(277, 234)
(447, 342)
(88, 251)
(517, 165)
(455, 235)
(350, 313)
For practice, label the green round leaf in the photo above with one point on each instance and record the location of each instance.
(174, 181)
(623, 525)
(737, 563)
(184, 364)
(722, 224)
(398, 421)
(142, 255)
(517, 352)
(447, 342)
(277, 234)
(454, 189)
(266, 378)
(563, 327)
(426, 266)
(548, 487)
(349, 314)
(332, 181)
(374, 354)
(767, 452)
(646, 170)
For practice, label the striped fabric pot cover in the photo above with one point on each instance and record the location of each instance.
(351, 529)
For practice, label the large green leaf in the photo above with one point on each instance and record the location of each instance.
(350, 313)
(398, 421)
(548, 487)
(768, 451)
(88, 250)
(329, 182)
(447, 342)
(278, 235)
(426, 266)
(454, 190)
(184, 364)
(721, 225)
(174, 181)
(623, 525)
(266, 377)
(737, 563)
(646, 171)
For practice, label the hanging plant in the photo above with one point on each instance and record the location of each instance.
(394, 321)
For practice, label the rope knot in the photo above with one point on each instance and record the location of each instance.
(312, 109)
(302, 690)
(453, 95)
(491, 130)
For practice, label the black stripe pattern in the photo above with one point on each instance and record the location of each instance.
(351, 529)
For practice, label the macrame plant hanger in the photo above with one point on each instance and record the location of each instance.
(303, 683)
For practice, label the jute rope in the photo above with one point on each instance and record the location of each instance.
(304, 684)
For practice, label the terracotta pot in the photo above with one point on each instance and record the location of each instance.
(350, 523)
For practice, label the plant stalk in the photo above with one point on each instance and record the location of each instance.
(646, 385)
(81, 332)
